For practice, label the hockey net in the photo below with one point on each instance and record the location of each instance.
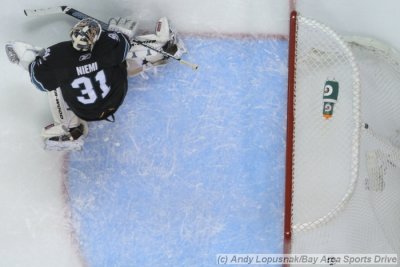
(343, 143)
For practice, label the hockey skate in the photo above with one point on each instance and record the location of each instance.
(69, 140)
(164, 38)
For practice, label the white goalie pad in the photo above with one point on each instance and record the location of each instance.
(181, 48)
(60, 111)
(67, 145)
(74, 145)
(145, 59)
(59, 135)
(164, 38)
(162, 33)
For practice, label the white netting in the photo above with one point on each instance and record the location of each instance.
(346, 169)
(380, 141)
(325, 150)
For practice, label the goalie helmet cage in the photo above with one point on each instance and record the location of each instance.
(342, 190)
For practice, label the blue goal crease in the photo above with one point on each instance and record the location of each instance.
(194, 164)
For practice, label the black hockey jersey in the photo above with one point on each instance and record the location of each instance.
(93, 83)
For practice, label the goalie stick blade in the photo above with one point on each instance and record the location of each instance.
(45, 11)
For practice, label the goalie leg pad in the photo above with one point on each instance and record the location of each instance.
(53, 130)
(165, 38)
(68, 132)
(74, 145)
(69, 141)
(64, 118)
(163, 32)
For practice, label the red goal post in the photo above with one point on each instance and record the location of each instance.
(343, 143)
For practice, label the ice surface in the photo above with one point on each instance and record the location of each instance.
(193, 165)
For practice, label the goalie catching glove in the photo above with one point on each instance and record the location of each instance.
(23, 54)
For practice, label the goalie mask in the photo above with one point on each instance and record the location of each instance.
(85, 34)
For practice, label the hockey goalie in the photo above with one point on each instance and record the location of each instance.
(86, 78)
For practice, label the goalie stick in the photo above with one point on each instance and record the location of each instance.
(79, 15)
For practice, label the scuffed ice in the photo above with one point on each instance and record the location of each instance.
(193, 165)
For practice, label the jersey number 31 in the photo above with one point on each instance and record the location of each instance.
(88, 93)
